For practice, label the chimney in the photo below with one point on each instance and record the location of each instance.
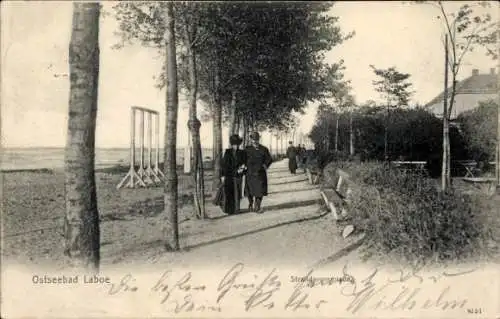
(475, 72)
(492, 71)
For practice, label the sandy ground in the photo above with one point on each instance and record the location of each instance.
(33, 211)
(294, 230)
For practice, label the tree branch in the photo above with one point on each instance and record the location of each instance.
(469, 38)
(447, 22)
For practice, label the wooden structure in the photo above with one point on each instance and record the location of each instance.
(411, 166)
(337, 198)
(149, 172)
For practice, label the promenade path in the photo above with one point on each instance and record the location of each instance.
(294, 230)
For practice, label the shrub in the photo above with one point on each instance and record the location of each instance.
(414, 133)
(403, 215)
(479, 128)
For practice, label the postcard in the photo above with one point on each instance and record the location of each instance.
(250, 159)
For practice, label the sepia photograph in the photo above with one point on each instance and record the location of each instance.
(266, 159)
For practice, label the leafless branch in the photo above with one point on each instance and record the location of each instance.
(450, 33)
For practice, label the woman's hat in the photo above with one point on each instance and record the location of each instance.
(254, 136)
(235, 139)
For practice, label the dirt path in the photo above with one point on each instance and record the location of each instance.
(293, 231)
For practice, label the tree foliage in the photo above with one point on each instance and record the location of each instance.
(479, 127)
(272, 56)
(393, 86)
(414, 134)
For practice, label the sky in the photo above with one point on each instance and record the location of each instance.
(34, 46)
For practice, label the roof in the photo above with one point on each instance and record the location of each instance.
(472, 90)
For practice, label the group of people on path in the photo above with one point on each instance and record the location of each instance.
(296, 157)
(251, 163)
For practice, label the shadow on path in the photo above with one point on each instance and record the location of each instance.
(277, 170)
(289, 205)
(241, 212)
(293, 190)
(341, 253)
(272, 208)
(190, 247)
(158, 245)
(288, 182)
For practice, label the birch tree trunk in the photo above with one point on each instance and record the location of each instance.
(446, 147)
(171, 229)
(194, 126)
(81, 222)
(351, 136)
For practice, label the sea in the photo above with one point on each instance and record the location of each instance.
(53, 157)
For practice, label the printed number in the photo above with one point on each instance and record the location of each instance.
(474, 310)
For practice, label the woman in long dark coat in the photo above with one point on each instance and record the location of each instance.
(233, 166)
(258, 161)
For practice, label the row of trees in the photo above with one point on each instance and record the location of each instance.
(393, 87)
(250, 65)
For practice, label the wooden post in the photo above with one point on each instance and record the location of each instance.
(150, 139)
(132, 174)
(157, 169)
(132, 138)
(150, 176)
(141, 144)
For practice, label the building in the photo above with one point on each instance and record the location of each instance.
(474, 89)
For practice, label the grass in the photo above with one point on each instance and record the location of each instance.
(405, 216)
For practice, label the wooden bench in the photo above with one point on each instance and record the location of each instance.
(313, 171)
(410, 166)
(313, 175)
(337, 198)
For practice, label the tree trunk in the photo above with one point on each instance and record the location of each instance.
(171, 230)
(336, 133)
(237, 124)
(81, 223)
(282, 140)
(497, 153)
(244, 131)
(217, 119)
(351, 136)
(445, 173)
(232, 117)
(386, 135)
(194, 126)
(327, 134)
(271, 150)
(218, 145)
(277, 144)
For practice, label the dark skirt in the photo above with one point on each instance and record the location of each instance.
(292, 164)
(232, 195)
